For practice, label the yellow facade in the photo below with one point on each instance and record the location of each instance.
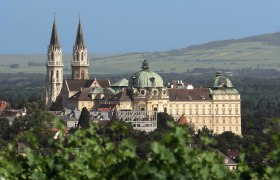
(219, 114)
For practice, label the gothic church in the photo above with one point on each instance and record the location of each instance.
(58, 88)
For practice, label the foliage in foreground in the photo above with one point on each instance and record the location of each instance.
(88, 155)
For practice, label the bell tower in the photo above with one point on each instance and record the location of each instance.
(54, 65)
(80, 61)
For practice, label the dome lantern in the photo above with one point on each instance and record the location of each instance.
(221, 81)
(145, 65)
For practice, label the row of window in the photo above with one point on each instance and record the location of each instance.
(190, 105)
(226, 97)
(52, 56)
(227, 129)
(57, 74)
(203, 112)
(209, 120)
(143, 125)
(218, 129)
(78, 57)
(154, 92)
(203, 105)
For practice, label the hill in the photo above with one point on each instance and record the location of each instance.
(262, 51)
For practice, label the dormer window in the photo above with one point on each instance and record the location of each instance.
(152, 79)
(203, 97)
(189, 97)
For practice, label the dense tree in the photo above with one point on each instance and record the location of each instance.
(4, 128)
(84, 118)
(162, 119)
(57, 105)
(38, 120)
(203, 138)
(4, 125)
(228, 141)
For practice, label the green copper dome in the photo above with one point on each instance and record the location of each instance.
(145, 78)
(221, 81)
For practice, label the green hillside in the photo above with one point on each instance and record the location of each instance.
(261, 51)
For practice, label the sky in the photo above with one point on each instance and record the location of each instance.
(120, 26)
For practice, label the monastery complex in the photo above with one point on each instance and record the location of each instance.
(216, 107)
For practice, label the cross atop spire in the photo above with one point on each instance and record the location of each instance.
(80, 37)
(54, 37)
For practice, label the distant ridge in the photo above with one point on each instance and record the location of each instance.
(268, 38)
(255, 52)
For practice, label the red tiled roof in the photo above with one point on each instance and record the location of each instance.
(3, 105)
(189, 94)
(182, 120)
(106, 107)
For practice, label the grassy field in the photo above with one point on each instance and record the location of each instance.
(232, 54)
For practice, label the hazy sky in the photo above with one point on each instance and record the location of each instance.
(132, 25)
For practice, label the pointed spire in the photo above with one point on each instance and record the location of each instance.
(80, 37)
(54, 37)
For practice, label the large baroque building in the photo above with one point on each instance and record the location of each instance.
(216, 107)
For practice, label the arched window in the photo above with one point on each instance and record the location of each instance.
(57, 74)
(52, 56)
(83, 74)
(51, 74)
(82, 56)
(77, 56)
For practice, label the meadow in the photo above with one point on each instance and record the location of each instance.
(233, 56)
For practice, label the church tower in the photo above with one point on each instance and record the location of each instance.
(80, 61)
(54, 79)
